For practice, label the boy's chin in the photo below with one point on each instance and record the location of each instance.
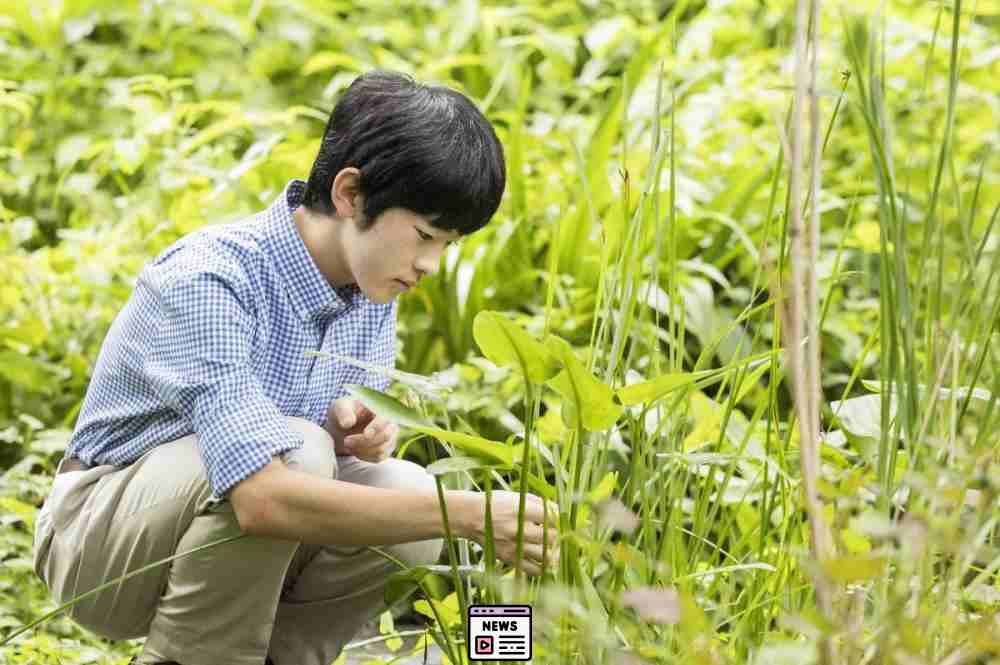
(381, 296)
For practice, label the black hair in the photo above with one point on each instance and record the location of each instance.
(424, 148)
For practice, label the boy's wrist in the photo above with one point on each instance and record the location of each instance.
(465, 513)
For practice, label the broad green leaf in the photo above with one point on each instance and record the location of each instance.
(396, 411)
(493, 451)
(387, 406)
(453, 464)
(506, 344)
(861, 416)
(447, 609)
(594, 399)
(425, 385)
(403, 583)
(550, 426)
(651, 390)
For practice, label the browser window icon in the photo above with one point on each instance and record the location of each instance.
(499, 632)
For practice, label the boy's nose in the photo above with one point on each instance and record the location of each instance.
(427, 264)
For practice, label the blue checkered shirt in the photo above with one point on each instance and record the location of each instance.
(213, 342)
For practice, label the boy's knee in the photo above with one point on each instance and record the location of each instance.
(316, 456)
(404, 474)
(407, 475)
(418, 553)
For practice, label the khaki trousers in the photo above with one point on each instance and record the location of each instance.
(235, 603)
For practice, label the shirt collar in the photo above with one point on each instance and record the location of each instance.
(311, 295)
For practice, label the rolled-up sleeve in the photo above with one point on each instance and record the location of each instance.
(199, 363)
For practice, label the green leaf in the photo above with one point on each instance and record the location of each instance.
(394, 410)
(387, 406)
(493, 451)
(506, 344)
(26, 372)
(453, 464)
(861, 416)
(594, 399)
(654, 389)
(403, 583)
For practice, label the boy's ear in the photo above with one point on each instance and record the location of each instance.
(345, 193)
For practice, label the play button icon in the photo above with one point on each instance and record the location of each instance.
(484, 645)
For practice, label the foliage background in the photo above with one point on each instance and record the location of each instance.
(125, 125)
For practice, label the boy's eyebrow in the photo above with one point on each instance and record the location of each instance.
(434, 231)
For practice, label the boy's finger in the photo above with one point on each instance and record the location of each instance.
(379, 429)
(362, 412)
(361, 443)
(536, 510)
(344, 412)
(370, 453)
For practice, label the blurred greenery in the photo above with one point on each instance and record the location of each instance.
(642, 228)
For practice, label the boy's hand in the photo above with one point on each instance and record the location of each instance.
(540, 534)
(357, 431)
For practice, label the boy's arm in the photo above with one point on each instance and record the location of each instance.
(279, 502)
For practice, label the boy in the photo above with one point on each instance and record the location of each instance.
(205, 418)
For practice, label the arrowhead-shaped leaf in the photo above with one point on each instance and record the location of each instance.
(387, 406)
(507, 344)
(593, 398)
(494, 452)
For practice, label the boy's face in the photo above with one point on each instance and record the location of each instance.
(398, 250)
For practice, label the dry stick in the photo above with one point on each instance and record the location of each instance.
(804, 310)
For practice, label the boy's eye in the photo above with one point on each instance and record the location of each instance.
(427, 236)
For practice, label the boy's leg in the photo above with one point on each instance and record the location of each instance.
(211, 607)
(218, 605)
(331, 592)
